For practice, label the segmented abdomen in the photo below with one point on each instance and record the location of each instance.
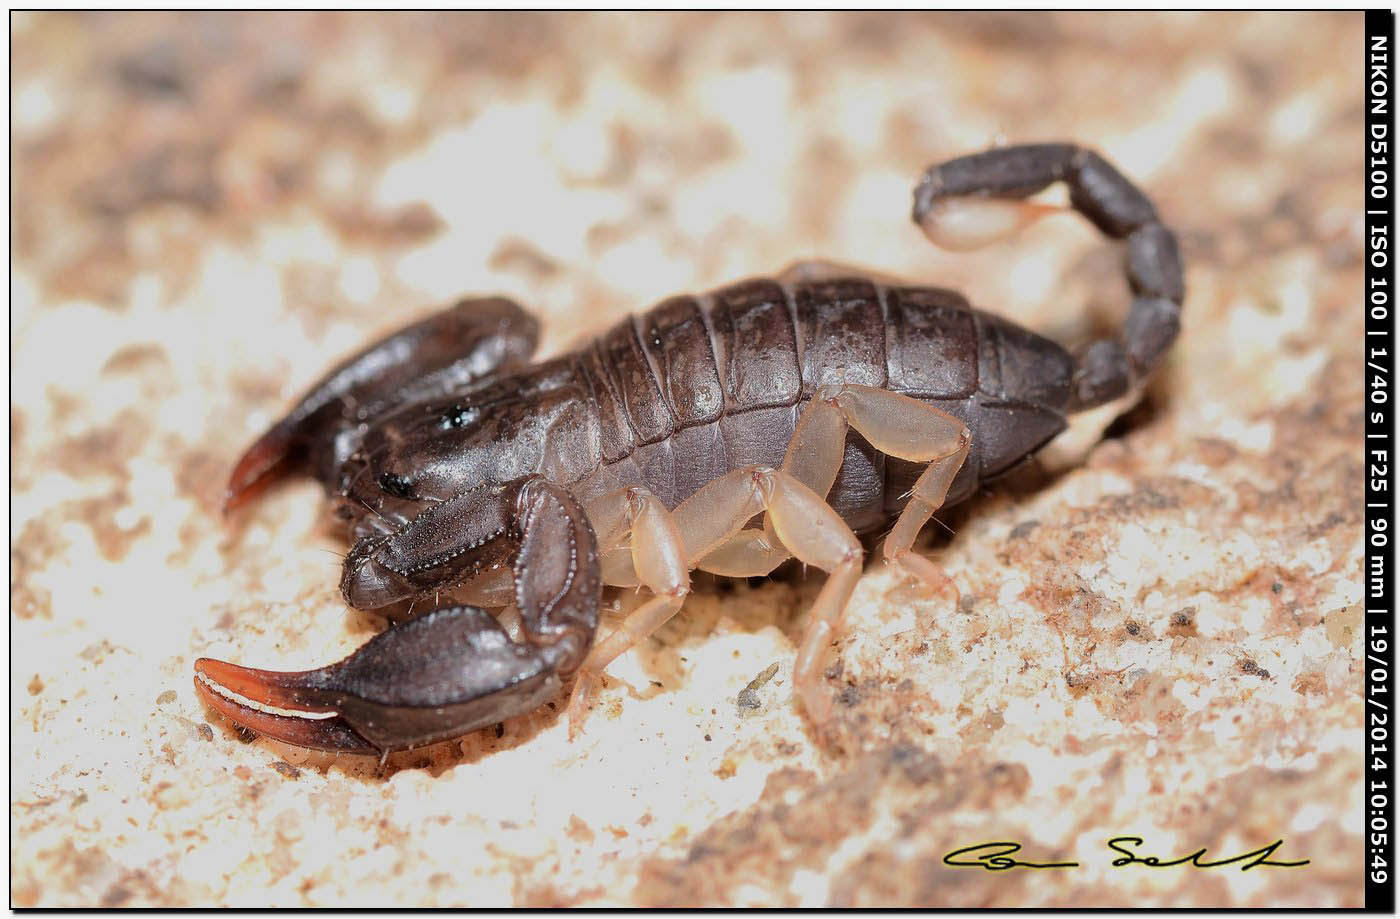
(700, 385)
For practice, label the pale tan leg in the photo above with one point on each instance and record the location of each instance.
(906, 428)
(750, 553)
(817, 535)
(896, 425)
(660, 559)
(810, 460)
(612, 516)
(707, 531)
(665, 544)
(657, 561)
(802, 521)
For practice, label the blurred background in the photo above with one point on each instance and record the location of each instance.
(210, 209)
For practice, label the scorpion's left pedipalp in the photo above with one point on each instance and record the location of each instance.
(445, 673)
(466, 343)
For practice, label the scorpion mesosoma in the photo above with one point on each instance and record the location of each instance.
(726, 432)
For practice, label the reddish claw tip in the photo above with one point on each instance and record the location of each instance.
(274, 704)
(261, 465)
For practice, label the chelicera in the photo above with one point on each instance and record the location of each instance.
(726, 432)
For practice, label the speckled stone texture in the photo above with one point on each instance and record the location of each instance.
(1159, 641)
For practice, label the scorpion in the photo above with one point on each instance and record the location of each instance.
(727, 432)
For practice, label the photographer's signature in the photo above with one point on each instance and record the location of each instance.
(997, 856)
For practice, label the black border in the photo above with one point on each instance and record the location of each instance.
(1379, 664)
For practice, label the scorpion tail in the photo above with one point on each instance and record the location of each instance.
(975, 199)
(464, 345)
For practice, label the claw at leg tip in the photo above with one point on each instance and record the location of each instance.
(580, 704)
(927, 573)
(817, 705)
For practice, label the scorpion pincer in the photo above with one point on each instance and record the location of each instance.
(726, 432)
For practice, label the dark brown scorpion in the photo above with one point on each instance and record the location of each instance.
(825, 402)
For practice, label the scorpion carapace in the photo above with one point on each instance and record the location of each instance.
(728, 432)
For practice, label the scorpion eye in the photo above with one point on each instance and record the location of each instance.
(396, 485)
(457, 416)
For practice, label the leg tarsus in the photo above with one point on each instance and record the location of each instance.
(581, 701)
(644, 620)
(828, 612)
(926, 571)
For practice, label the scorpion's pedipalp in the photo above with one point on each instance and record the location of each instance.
(558, 581)
(459, 347)
(268, 702)
(449, 672)
(444, 545)
(260, 465)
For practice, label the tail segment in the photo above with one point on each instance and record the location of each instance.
(976, 199)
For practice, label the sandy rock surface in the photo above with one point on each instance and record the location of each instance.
(1161, 642)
